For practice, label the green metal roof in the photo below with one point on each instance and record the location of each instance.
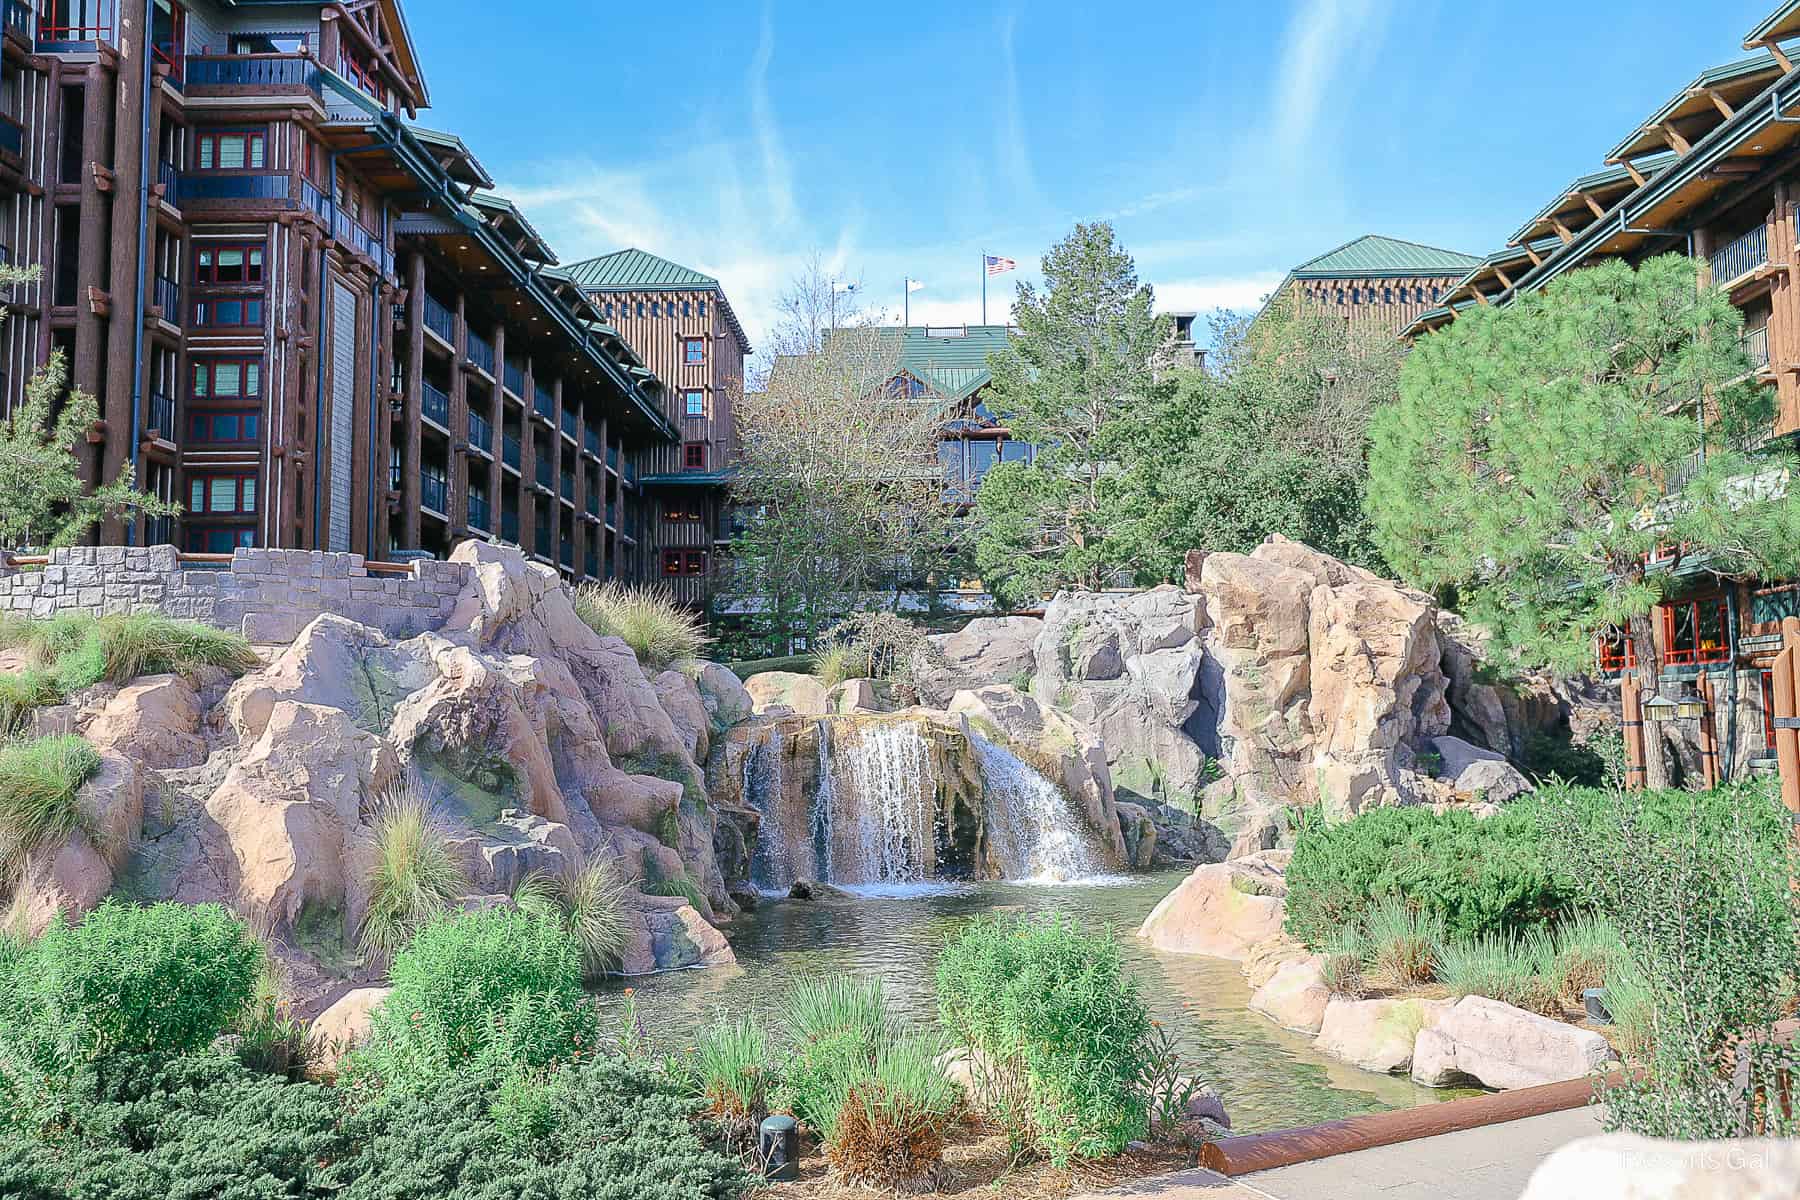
(950, 360)
(637, 270)
(1373, 254)
(1711, 77)
(1606, 177)
(1783, 23)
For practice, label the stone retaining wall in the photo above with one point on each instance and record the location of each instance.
(267, 595)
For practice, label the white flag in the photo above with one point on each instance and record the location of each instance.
(913, 285)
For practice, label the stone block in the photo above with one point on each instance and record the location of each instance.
(110, 556)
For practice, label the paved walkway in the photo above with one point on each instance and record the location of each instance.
(1491, 1163)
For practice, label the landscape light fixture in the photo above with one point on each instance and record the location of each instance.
(1660, 708)
(1690, 704)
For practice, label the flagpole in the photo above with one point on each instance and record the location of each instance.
(984, 287)
(906, 303)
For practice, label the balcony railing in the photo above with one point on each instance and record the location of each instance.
(591, 440)
(1756, 346)
(545, 474)
(478, 513)
(434, 493)
(481, 353)
(439, 319)
(314, 198)
(570, 422)
(168, 175)
(1740, 257)
(434, 403)
(509, 451)
(544, 403)
(12, 136)
(63, 35)
(515, 379)
(260, 71)
(166, 295)
(352, 233)
(481, 432)
(160, 416)
(270, 185)
(509, 527)
(21, 18)
(612, 458)
(159, 531)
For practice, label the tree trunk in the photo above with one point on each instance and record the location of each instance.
(1649, 667)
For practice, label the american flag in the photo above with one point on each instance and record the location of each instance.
(999, 266)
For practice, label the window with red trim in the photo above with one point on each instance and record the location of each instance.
(693, 456)
(1696, 631)
(1616, 652)
(224, 426)
(693, 350)
(233, 312)
(219, 539)
(230, 265)
(231, 150)
(222, 495)
(226, 378)
(683, 562)
(1768, 708)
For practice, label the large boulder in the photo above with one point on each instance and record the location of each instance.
(665, 933)
(726, 699)
(1127, 667)
(1221, 910)
(1504, 1047)
(333, 663)
(341, 1028)
(987, 650)
(1476, 773)
(1624, 1166)
(72, 876)
(787, 693)
(1295, 995)
(680, 698)
(1377, 1035)
(155, 720)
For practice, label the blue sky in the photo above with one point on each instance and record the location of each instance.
(1226, 141)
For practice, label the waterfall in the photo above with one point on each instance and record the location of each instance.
(823, 804)
(772, 867)
(888, 769)
(1032, 829)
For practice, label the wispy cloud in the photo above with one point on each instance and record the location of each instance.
(777, 178)
(1240, 293)
(1014, 150)
(1323, 38)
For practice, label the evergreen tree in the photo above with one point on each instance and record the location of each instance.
(1539, 453)
(1078, 380)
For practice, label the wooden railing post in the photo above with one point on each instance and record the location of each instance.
(1709, 734)
(1630, 701)
(1787, 735)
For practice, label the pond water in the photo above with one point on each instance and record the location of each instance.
(1270, 1078)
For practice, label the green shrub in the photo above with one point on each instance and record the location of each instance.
(821, 1005)
(417, 875)
(20, 693)
(731, 1063)
(659, 631)
(483, 990)
(1051, 1005)
(889, 1131)
(269, 1039)
(837, 1026)
(1501, 967)
(1477, 876)
(837, 662)
(40, 785)
(1586, 953)
(589, 902)
(163, 981)
(675, 885)
(1401, 943)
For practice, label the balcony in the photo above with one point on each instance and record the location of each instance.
(439, 319)
(166, 295)
(314, 198)
(515, 379)
(481, 433)
(568, 486)
(353, 234)
(168, 177)
(612, 513)
(1740, 257)
(542, 543)
(434, 405)
(612, 459)
(545, 474)
(253, 73)
(509, 451)
(591, 441)
(434, 493)
(570, 423)
(12, 136)
(544, 404)
(567, 554)
(478, 513)
(509, 527)
(159, 417)
(481, 353)
(168, 54)
(268, 185)
(96, 27)
(21, 18)
(1756, 346)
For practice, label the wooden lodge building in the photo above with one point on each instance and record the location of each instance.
(305, 318)
(1375, 280)
(1713, 173)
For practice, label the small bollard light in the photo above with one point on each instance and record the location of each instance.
(1594, 1001)
(779, 1145)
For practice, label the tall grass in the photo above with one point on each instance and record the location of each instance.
(838, 1004)
(1503, 968)
(1401, 942)
(589, 902)
(659, 631)
(22, 692)
(1586, 953)
(889, 1130)
(731, 1058)
(1342, 969)
(417, 875)
(40, 785)
(838, 662)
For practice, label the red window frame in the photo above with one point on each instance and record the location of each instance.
(1615, 653)
(199, 537)
(683, 563)
(249, 376)
(256, 149)
(207, 312)
(1697, 653)
(207, 479)
(693, 351)
(1768, 710)
(693, 456)
(688, 406)
(206, 264)
(200, 428)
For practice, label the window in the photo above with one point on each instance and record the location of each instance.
(234, 151)
(693, 403)
(671, 562)
(227, 378)
(222, 495)
(219, 539)
(902, 387)
(1694, 631)
(703, 308)
(1615, 652)
(693, 350)
(228, 314)
(684, 562)
(226, 427)
(656, 308)
(684, 308)
(693, 456)
(268, 43)
(686, 516)
(228, 266)
(640, 309)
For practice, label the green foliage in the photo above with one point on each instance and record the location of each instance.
(732, 1065)
(1051, 1006)
(486, 990)
(1272, 438)
(163, 981)
(871, 645)
(1477, 876)
(42, 500)
(589, 903)
(417, 875)
(269, 1039)
(20, 693)
(1530, 441)
(1585, 953)
(40, 785)
(837, 1026)
(1697, 885)
(659, 631)
(889, 1130)
(1402, 942)
(835, 663)
(1076, 380)
(1502, 967)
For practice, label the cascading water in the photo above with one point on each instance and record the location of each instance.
(1033, 832)
(888, 769)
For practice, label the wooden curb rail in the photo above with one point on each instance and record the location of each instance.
(1285, 1147)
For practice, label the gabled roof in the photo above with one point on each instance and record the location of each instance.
(511, 224)
(1373, 255)
(1779, 26)
(454, 155)
(634, 270)
(951, 360)
(1703, 105)
(1574, 208)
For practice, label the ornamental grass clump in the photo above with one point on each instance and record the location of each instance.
(40, 796)
(1585, 953)
(836, 663)
(836, 1027)
(649, 620)
(417, 875)
(1342, 966)
(1501, 967)
(588, 900)
(731, 1065)
(1401, 943)
(1063, 1029)
(889, 1132)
